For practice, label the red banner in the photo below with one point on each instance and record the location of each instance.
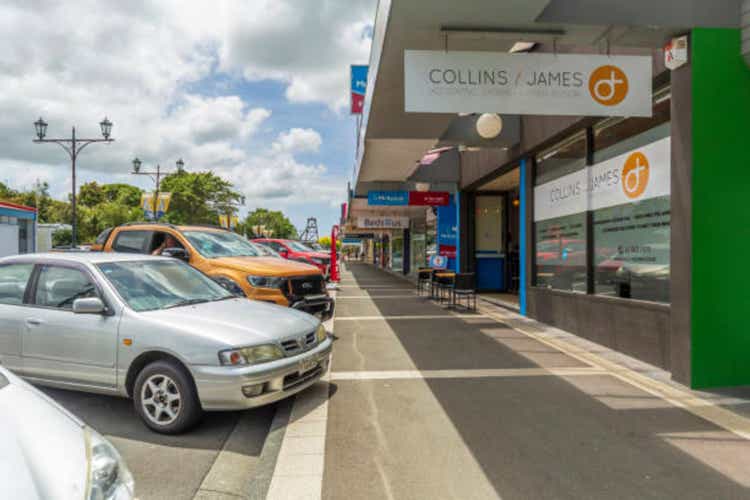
(447, 251)
(429, 198)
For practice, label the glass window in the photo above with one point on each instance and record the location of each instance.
(60, 286)
(561, 253)
(632, 240)
(397, 253)
(13, 280)
(299, 247)
(161, 284)
(132, 241)
(489, 224)
(213, 244)
(560, 229)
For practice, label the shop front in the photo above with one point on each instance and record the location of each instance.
(17, 229)
(616, 211)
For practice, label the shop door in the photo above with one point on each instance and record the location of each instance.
(489, 244)
(512, 222)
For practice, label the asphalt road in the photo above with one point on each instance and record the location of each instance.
(173, 467)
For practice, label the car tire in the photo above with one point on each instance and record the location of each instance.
(165, 398)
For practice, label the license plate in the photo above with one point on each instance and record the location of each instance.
(307, 365)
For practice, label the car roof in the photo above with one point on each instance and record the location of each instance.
(157, 226)
(80, 257)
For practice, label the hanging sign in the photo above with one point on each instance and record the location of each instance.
(382, 222)
(527, 84)
(676, 53)
(358, 88)
(387, 198)
(637, 175)
(429, 198)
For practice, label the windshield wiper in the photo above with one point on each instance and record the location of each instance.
(186, 302)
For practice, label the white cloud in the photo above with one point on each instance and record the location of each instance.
(310, 45)
(298, 140)
(146, 65)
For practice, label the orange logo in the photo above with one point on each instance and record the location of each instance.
(635, 175)
(608, 85)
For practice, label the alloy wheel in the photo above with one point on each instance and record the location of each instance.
(161, 399)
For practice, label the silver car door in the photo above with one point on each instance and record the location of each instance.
(60, 345)
(13, 281)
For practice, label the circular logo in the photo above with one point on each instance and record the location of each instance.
(608, 85)
(635, 175)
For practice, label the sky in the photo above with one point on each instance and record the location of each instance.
(256, 91)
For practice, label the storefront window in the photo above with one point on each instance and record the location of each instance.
(489, 225)
(397, 252)
(560, 216)
(632, 238)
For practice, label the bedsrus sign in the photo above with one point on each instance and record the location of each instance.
(383, 223)
(531, 84)
(634, 176)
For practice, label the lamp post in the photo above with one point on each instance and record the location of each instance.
(156, 175)
(73, 147)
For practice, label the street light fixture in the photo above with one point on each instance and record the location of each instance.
(73, 147)
(156, 174)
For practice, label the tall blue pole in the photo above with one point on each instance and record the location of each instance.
(522, 253)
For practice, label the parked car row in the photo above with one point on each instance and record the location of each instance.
(156, 313)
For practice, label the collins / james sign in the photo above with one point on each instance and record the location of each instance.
(527, 84)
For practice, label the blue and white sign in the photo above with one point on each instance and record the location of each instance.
(388, 198)
(358, 88)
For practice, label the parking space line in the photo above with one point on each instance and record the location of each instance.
(412, 317)
(301, 460)
(700, 407)
(470, 373)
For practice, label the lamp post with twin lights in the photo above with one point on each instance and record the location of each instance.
(156, 175)
(73, 147)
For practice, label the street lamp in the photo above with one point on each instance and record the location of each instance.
(157, 174)
(73, 147)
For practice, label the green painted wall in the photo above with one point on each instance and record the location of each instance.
(721, 210)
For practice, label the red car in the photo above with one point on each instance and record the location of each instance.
(294, 250)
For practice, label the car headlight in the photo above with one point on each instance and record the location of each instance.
(251, 355)
(231, 286)
(108, 476)
(266, 281)
(321, 334)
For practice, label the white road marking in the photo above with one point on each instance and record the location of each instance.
(379, 297)
(415, 316)
(299, 467)
(477, 373)
(365, 287)
(700, 407)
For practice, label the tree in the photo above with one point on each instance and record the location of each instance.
(275, 223)
(325, 242)
(123, 193)
(199, 198)
(91, 194)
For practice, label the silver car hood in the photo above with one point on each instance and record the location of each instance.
(42, 449)
(236, 322)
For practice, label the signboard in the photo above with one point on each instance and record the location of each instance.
(388, 198)
(438, 262)
(383, 222)
(637, 175)
(527, 84)
(676, 53)
(429, 198)
(447, 229)
(151, 212)
(228, 222)
(358, 88)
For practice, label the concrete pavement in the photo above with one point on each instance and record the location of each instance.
(466, 406)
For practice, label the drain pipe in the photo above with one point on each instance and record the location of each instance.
(745, 23)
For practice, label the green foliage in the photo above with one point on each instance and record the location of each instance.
(62, 237)
(325, 242)
(275, 223)
(199, 198)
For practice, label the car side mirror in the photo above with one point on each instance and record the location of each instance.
(284, 253)
(89, 305)
(176, 253)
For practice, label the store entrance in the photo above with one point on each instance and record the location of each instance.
(496, 237)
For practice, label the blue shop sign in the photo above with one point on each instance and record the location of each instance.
(389, 198)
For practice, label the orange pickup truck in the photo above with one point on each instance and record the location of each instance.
(228, 258)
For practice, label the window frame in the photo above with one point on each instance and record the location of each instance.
(83, 269)
(147, 242)
(25, 298)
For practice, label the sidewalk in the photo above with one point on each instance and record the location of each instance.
(425, 402)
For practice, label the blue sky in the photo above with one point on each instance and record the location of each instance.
(256, 92)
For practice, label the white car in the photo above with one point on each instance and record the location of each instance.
(46, 453)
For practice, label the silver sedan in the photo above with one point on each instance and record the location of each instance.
(153, 329)
(47, 453)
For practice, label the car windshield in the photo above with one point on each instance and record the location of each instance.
(213, 244)
(265, 251)
(161, 284)
(299, 247)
